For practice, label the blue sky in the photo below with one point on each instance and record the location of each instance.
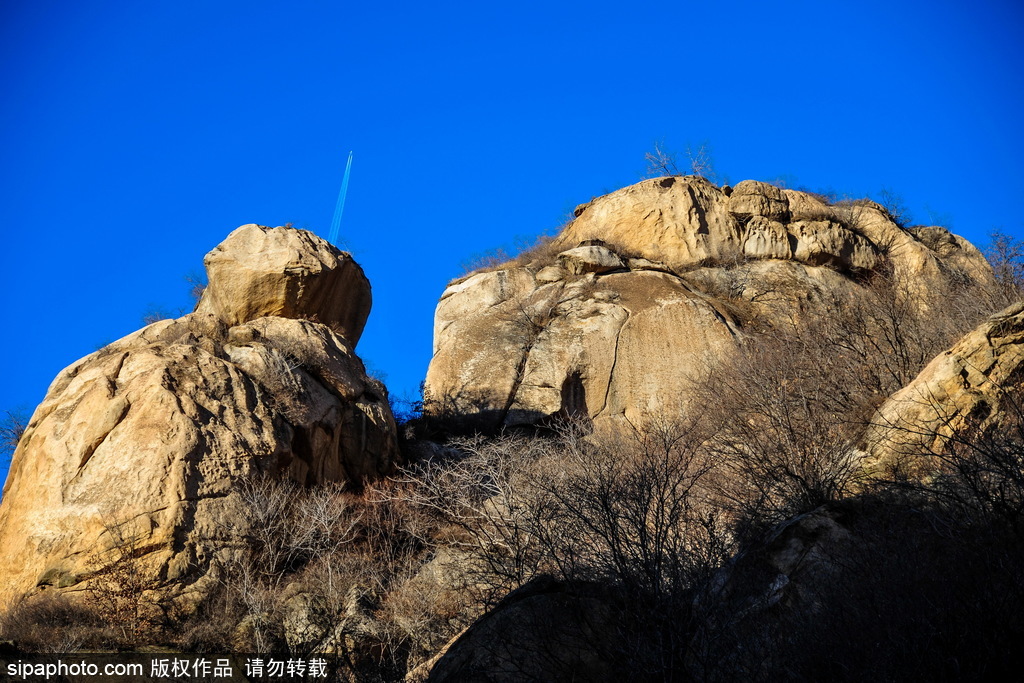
(136, 135)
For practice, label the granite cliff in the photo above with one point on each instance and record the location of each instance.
(625, 309)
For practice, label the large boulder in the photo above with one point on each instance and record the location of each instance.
(678, 221)
(259, 271)
(138, 449)
(650, 285)
(753, 198)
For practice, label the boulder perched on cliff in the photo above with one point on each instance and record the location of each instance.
(961, 394)
(141, 444)
(651, 284)
(259, 271)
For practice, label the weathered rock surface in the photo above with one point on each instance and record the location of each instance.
(960, 390)
(590, 259)
(679, 221)
(655, 282)
(259, 271)
(141, 444)
(753, 198)
(579, 348)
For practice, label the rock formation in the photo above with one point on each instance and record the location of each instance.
(964, 392)
(141, 444)
(650, 284)
(258, 272)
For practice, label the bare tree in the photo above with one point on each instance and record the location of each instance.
(701, 162)
(1005, 253)
(784, 435)
(121, 589)
(282, 529)
(197, 283)
(661, 162)
(12, 427)
(632, 510)
(894, 205)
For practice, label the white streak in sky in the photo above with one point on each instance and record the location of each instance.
(336, 223)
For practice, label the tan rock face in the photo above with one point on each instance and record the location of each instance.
(767, 239)
(614, 339)
(259, 271)
(822, 243)
(679, 221)
(964, 388)
(582, 348)
(143, 443)
(752, 198)
(590, 259)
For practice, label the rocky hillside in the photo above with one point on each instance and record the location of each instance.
(649, 285)
(705, 433)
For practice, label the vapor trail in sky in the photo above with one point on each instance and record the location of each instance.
(336, 223)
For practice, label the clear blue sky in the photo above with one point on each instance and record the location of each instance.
(136, 135)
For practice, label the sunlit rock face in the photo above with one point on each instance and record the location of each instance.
(259, 271)
(651, 284)
(968, 391)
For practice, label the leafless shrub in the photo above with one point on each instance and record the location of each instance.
(632, 512)
(981, 473)
(701, 162)
(12, 426)
(895, 207)
(921, 579)
(661, 162)
(425, 612)
(785, 434)
(541, 252)
(50, 622)
(826, 196)
(890, 331)
(796, 399)
(121, 588)
(491, 259)
(478, 489)
(155, 314)
(635, 511)
(848, 211)
(313, 567)
(281, 529)
(971, 463)
(1005, 254)
(197, 284)
(537, 251)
